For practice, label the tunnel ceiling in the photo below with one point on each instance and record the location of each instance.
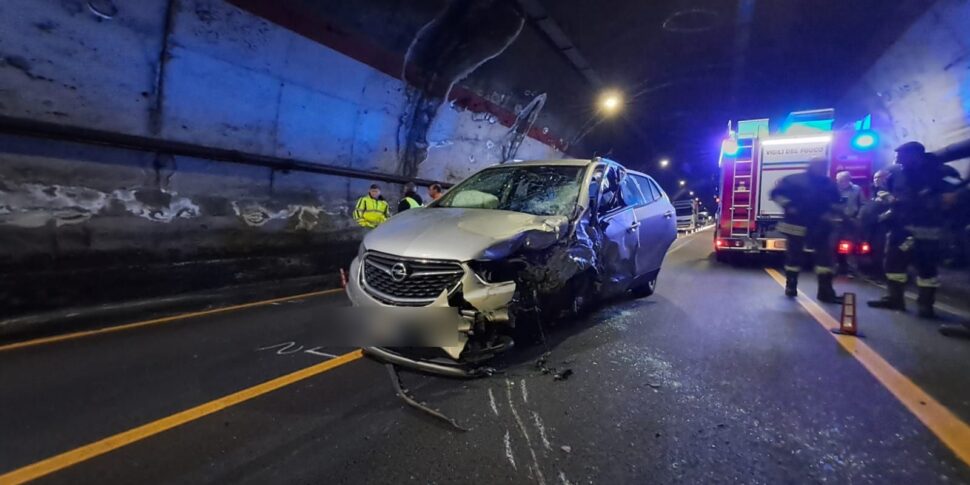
(686, 66)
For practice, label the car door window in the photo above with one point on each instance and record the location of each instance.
(656, 189)
(630, 192)
(610, 199)
(594, 186)
(649, 190)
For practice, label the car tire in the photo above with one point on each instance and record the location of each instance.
(648, 287)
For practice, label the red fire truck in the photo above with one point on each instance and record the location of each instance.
(753, 160)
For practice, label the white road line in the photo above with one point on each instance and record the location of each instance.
(491, 401)
(316, 351)
(525, 434)
(542, 430)
(563, 479)
(680, 246)
(508, 450)
(285, 348)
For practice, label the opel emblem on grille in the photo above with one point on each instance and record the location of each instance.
(399, 272)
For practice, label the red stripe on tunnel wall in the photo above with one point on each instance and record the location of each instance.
(312, 26)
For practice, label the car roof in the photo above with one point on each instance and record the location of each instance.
(567, 162)
(570, 162)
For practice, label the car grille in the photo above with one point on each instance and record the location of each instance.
(424, 282)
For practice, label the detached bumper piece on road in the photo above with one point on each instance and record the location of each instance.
(447, 370)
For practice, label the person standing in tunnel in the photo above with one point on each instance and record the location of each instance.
(850, 198)
(371, 210)
(811, 204)
(920, 194)
(411, 198)
(434, 192)
(873, 225)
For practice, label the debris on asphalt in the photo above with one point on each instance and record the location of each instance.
(566, 448)
(541, 364)
(559, 375)
(403, 393)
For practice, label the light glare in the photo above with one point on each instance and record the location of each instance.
(611, 102)
(797, 141)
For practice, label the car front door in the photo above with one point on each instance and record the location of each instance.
(620, 228)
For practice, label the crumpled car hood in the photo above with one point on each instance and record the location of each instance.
(463, 234)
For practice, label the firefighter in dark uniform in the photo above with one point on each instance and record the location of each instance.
(920, 192)
(811, 203)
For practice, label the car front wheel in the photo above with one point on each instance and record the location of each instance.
(647, 287)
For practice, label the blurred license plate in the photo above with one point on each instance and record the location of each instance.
(778, 244)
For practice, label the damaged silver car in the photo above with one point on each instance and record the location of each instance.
(515, 248)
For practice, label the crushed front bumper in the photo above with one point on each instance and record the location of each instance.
(483, 304)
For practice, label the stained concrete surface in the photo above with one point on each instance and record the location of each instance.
(716, 378)
(918, 88)
(206, 73)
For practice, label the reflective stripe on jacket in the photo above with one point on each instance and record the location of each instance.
(370, 212)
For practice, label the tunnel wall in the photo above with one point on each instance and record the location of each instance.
(919, 89)
(143, 223)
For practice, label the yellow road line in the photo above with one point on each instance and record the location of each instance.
(86, 452)
(949, 428)
(156, 321)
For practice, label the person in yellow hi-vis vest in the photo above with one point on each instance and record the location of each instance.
(411, 198)
(371, 210)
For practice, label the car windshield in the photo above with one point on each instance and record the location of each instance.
(537, 190)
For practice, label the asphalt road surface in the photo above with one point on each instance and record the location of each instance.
(717, 378)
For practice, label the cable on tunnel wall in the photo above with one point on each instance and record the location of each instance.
(52, 131)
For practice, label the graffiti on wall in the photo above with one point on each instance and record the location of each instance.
(36, 205)
(470, 33)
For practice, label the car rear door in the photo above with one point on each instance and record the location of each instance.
(635, 197)
(658, 224)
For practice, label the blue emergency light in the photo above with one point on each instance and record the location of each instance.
(865, 140)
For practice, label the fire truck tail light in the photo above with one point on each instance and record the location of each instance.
(719, 243)
(865, 248)
(845, 247)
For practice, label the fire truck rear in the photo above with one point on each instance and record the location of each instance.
(753, 160)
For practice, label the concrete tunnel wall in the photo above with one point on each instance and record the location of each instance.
(919, 89)
(204, 72)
